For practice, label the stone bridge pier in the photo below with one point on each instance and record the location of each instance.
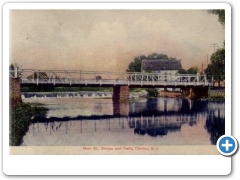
(120, 94)
(14, 91)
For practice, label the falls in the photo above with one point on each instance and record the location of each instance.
(66, 95)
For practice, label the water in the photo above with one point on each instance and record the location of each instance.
(80, 121)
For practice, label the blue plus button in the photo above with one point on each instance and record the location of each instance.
(227, 145)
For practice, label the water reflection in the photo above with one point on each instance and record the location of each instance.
(215, 126)
(120, 109)
(162, 121)
(156, 126)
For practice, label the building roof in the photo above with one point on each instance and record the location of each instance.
(160, 64)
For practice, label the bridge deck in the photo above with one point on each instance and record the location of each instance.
(110, 83)
(89, 78)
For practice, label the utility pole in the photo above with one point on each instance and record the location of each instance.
(214, 45)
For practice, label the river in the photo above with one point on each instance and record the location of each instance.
(94, 120)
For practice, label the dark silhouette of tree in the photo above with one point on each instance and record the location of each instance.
(11, 67)
(216, 69)
(221, 15)
(193, 70)
(135, 65)
(21, 116)
(182, 71)
(215, 127)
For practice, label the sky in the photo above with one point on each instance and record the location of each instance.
(108, 40)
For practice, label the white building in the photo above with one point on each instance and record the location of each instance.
(163, 66)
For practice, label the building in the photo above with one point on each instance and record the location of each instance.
(164, 66)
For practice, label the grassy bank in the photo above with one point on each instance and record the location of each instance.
(21, 117)
(215, 95)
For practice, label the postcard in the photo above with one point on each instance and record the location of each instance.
(116, 82)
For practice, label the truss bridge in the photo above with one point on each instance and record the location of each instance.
(98, 78)
(195, 85)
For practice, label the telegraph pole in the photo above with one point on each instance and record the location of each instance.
(214, 45)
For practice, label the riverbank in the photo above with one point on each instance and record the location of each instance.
(21, 117)
(214, 95)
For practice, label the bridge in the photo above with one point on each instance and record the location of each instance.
(99, 78)
(120, 81)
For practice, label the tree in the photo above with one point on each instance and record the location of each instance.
(157, 56)
(39, 75)
(136, 64)
(193, 70)
(12, 67)
(152, 92)
(182, 71)
(221, 15)
(216, 69)
(21, 116)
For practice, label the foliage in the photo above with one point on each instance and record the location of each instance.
(221, 15)
(135, 65)
(38, 75)
(216, 69)
(152, 92)
(182, 71)
(216, 98)
(191, 70)
(20, 120)
(12, 67)
(157, 56)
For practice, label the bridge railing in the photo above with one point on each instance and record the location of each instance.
(31, 76)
